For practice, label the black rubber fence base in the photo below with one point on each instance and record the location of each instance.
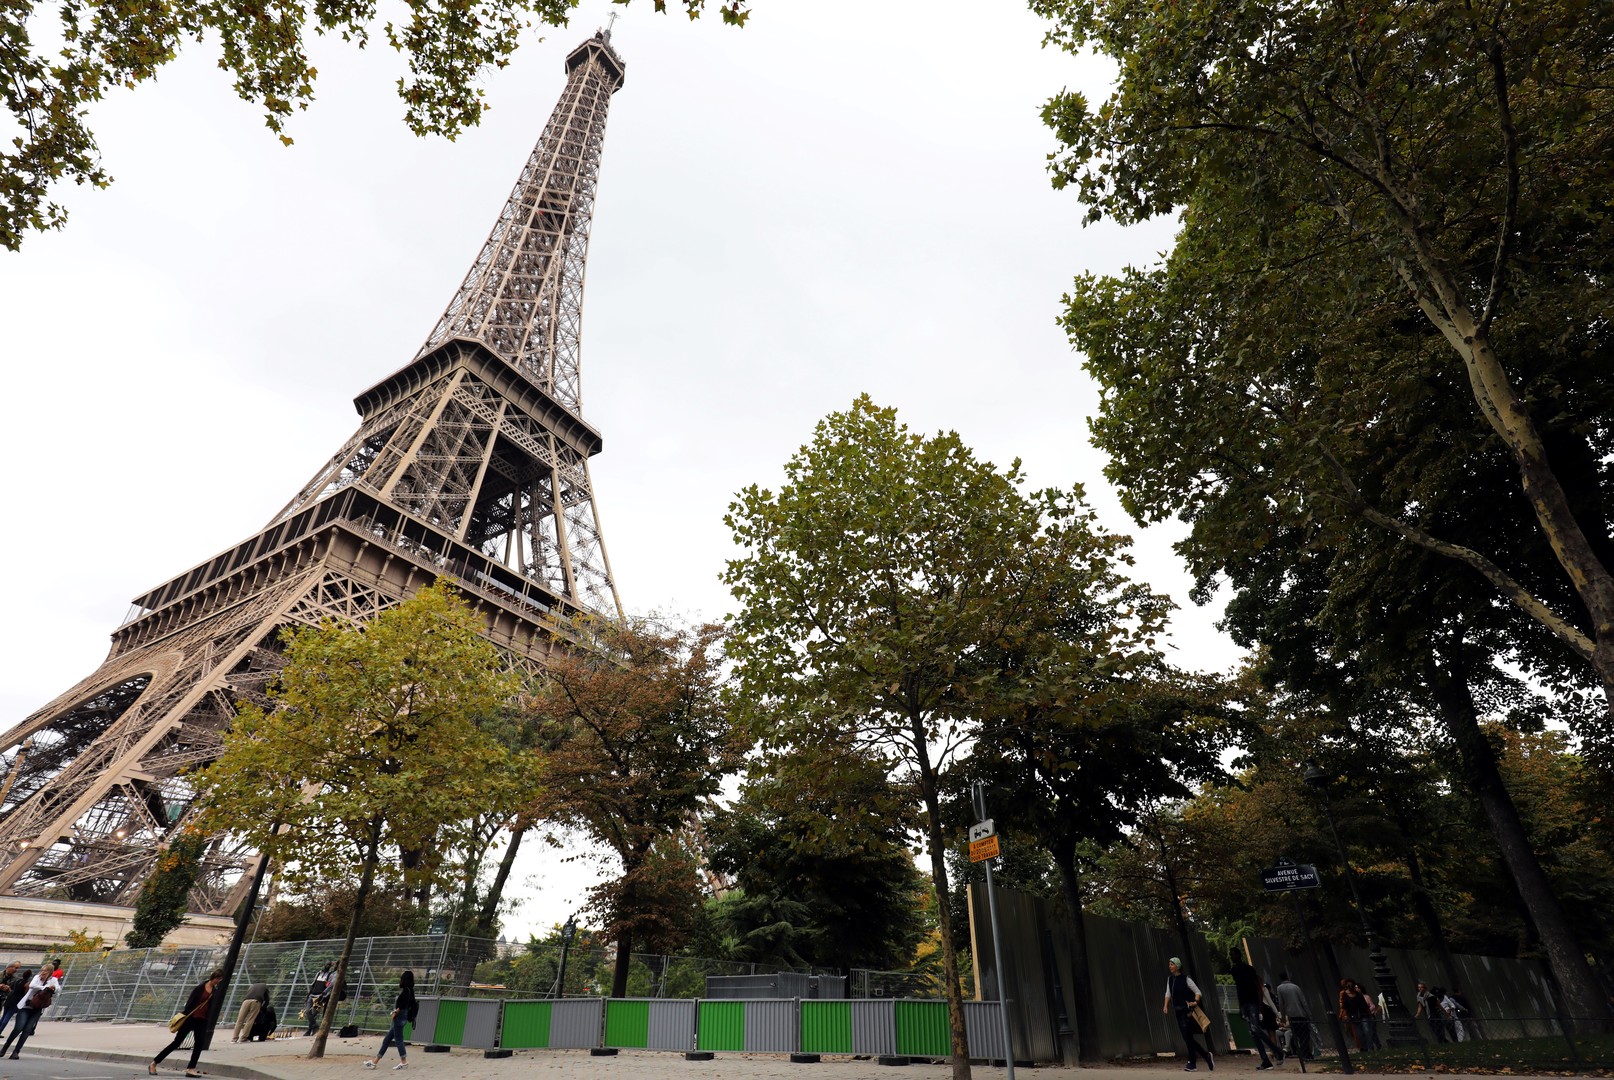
(436, 1048)
(602, 1051)
(805, 1059)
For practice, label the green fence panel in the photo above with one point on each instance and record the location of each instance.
(721, 1026)
(526, 1025)
(826, 1027)
(450, 1029)
(1240, 1032)
(922, 1029)
(627, 1024)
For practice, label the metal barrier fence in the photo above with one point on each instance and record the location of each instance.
(900, 1027)
(152, 984)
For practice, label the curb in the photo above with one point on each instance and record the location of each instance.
(239, 1072)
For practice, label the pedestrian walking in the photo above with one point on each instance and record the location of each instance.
(319, 995)
(1183, 997)
(405, 1010)
(1294, 1007)
(13, 983)
(1251, 993)
(257, 997)
(36, 998)
(1429, 1006)
(192, 1024)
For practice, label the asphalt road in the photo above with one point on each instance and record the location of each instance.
(34, 1067)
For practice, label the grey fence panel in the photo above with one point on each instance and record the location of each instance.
(672, 1025)
(983, 1027)
(482, 1024)
(772, 1026)
(874, 1027)
(425, 1021)
(575, 1023)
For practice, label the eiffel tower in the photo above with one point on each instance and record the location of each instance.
(470, 462)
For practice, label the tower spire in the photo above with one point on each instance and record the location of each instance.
(523, 297)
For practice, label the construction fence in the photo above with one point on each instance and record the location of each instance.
(152, 984)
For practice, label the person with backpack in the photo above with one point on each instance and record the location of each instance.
(13, 984)
(37, 997)
(406, 1010)
(192, 1022)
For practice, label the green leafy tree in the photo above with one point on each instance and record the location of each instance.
(327, 909)
(372, 749)
(165, 897)
(816, 849)
(633, 739)
(1102, 732)
(1384, 317)
(882, 590)
(50, 75)
(1396, 211)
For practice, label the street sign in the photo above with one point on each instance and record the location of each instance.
(982, 850)
(1290, 876)
(981, 830)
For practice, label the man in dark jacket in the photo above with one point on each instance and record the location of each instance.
(1250, 994)
(257, 997)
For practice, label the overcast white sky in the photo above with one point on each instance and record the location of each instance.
(845, 196)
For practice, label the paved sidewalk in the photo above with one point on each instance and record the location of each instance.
(133, 1045)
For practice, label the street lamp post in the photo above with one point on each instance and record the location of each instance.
(1401, 1029)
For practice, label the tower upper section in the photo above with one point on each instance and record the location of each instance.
(523, 298)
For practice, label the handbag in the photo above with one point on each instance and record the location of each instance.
(177, 1022)
(1198, 1016)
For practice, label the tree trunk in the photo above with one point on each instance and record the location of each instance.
(490, 903)
(944, 918)
(624, 959)
(1582, 997)
(1081, 990)
(339, 980)
(1431, 918)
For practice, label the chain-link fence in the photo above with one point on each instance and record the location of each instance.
(152, 984)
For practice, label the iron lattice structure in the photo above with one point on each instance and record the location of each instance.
(471, 462)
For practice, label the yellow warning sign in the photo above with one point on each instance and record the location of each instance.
(982, 850)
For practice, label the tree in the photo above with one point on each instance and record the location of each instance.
(50, 76)
(817, 852)
(881, 589)
(328, 908)
(633, 740)
(1403, 207)
(1102, 732)
(1383, 317)
(165, 897)
(372, 750)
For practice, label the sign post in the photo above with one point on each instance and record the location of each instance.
(1291, 877)
(984, 848)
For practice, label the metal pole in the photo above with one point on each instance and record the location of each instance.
(244, 916)
(997, 943)
(1402, 1031)
(1333, 1016)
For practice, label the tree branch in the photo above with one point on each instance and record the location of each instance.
(1510, 150)
(1510, 588)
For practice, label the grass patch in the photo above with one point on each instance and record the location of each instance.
(1543, 1055)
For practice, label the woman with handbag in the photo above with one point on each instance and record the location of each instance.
(36, 999)
(1183, 996)
(405, 1010)
(192, 1021)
